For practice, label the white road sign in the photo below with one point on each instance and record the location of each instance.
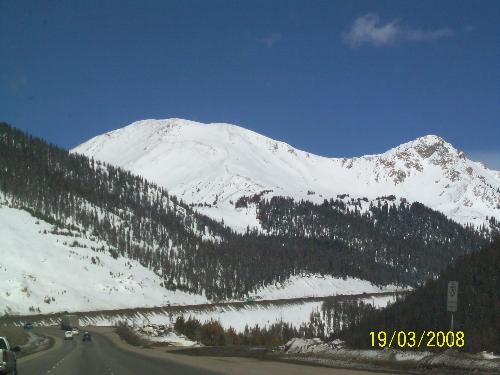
(452, 300)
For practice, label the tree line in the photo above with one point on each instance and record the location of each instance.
(478, 311)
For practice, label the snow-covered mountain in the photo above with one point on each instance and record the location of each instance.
(212, 165)
(76, 234)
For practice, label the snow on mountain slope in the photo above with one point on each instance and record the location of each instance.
(43, 270)
(212, 165)
(319, 286)
(55, 272)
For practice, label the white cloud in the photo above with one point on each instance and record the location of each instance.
(489, 158)
(271, 39)
(369, 29)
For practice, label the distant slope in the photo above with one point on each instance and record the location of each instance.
(213, 165)
(413, 240)
(478, 313)
(43, 270)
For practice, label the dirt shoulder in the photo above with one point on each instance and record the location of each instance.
(38, 345)
(262, 353)
(30, 341)
(15, 335)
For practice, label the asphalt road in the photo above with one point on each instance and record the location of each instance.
(98, 357)
(107, 354)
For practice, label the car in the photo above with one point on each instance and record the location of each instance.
(87, 337)
(75, 331)
(8, 358)
(28, 325)
(68, 335)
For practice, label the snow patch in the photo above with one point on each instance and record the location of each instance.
(315, 285)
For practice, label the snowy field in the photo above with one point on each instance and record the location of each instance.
(294, 314)
(313, 285)
(229, 316)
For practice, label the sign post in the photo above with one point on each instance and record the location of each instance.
(452, 300)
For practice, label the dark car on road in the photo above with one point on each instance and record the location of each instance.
(87, 337)
(28, 325)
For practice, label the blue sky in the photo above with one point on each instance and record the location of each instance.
(337, 78)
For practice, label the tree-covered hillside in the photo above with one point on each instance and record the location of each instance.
(416, 241)
(403, 244)
(478, 314)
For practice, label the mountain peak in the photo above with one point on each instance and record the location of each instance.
(426, 145)
(430, 139)
(431, 147)
(213, 165)
(161, 123)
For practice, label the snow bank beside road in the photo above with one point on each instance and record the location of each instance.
(334, 354)
(164, 334)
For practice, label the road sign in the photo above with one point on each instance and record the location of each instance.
(452, 300)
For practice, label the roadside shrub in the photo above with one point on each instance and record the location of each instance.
(130, 336)
(180, 324)
(232, 338)
(212, 334)
(192, 329)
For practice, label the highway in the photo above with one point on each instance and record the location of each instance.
(106, 354)
(98, 357)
